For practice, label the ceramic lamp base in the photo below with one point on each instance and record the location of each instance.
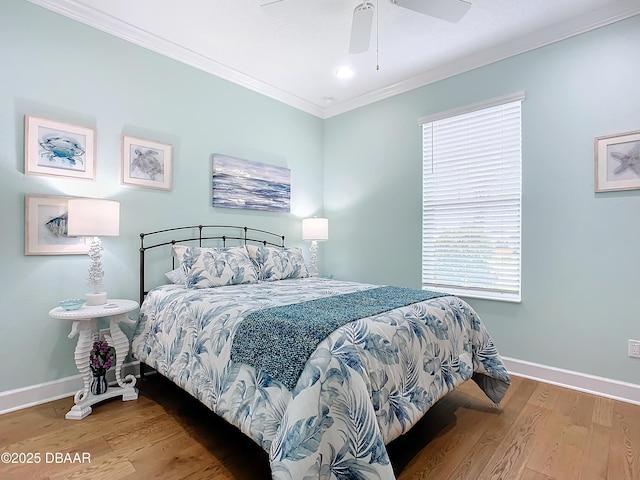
(313, 266)
(96, 298)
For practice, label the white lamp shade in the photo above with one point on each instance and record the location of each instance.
(93, 217)
(315, 229)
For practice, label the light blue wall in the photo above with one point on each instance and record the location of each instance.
(580, 255)
(581, 261)
(54, 67)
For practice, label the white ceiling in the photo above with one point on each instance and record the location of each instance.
(291, 53)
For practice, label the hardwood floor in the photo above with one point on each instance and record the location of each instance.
(540, 432)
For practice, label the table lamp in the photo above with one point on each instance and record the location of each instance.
(94, 217)
(317, 230)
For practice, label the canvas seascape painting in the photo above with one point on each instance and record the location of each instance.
(250, 185)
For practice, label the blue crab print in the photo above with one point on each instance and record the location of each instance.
(63, 149)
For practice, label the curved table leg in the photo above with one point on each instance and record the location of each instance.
(121, 344)
(84, 329)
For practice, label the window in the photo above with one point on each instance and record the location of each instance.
(472, 191)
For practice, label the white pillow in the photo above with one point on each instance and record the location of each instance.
(177, 276)
(178, 252)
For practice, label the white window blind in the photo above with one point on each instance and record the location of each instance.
(472, 190)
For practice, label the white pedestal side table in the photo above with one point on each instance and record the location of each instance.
(84, 325)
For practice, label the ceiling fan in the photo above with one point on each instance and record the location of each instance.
(449, 10)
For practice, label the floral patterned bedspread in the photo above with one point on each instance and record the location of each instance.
(367, 383)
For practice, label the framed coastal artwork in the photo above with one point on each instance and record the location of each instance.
(45, 227)
(617, 162)
(54, 148)
(146, 163)
(249, 185)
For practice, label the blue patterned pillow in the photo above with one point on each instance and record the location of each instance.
(217, 267)
(277, 263)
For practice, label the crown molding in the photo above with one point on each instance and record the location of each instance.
(598, 18)
(77, 11)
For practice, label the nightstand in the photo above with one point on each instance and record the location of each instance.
(84, 325)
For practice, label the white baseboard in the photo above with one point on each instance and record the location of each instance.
(604, 387)
(20, 398)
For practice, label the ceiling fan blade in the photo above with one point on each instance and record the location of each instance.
(449, 10)
(361, 28)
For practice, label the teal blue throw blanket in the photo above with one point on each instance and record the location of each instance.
(278, 341)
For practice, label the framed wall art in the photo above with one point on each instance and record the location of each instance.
(45, 227)
(250, 185)
(59, 149)
(146, 163)
(617, 162)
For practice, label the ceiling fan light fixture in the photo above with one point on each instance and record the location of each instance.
(344, 72)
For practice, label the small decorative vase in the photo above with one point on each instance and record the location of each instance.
(99, 384)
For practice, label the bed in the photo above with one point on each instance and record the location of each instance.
(255, 343)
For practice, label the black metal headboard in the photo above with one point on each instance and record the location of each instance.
(200, 234)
